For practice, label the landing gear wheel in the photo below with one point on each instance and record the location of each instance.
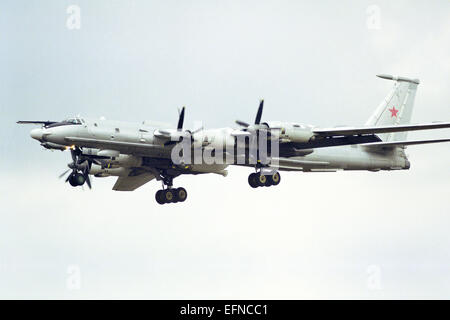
(181, 194)
(252, 180)
(159, 196)
(274, 179)
(168, 196)
(261, 180)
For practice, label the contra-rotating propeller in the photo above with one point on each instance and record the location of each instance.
(257, 124)
(255, 130)
(174, 136)
(80, 167)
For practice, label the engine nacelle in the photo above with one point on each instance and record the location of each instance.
(297, 135)
(123, 160)
(291, 132)
(113, 159)
(100, 172)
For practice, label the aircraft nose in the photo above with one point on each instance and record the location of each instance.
(36, 134)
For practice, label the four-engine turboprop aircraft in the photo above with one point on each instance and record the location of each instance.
(139, 152)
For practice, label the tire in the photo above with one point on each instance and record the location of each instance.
(181, 194)
(175, 195)
(159, 197)
(261, 180)
(252, 180)
(275, 179)
(168, 196)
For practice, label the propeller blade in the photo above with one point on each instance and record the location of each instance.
(181, 120)
(82, 163)
(86, 170)
(69, 176)
(63, 174)
(242, 123)
(74, 156)
(197, 130)
(88, 181)
(259, 113)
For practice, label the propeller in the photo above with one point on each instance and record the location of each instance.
(257, 125)
(179, 134)
(271, 133)
(79, 165)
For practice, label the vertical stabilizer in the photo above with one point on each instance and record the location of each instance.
(396, 108)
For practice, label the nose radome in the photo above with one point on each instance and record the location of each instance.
(36, 134)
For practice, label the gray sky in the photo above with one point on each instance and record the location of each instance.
(342, 235)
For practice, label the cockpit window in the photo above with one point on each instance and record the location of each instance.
(73, 121)
(66, 122)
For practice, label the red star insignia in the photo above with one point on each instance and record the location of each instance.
(393, 112)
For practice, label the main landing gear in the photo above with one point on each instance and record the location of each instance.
(170, 195)
(258, 179)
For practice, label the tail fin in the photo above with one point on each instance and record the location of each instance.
(396, 108)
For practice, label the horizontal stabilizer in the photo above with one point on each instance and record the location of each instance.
(350, 131)
(397, 78)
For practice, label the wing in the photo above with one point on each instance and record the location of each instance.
(131, 183)
(351, 131)
(401, 143)
(286, 164)
(122, 147)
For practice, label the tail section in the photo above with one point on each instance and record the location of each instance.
(396, 108)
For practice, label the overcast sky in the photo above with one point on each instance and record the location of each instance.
(324, 235)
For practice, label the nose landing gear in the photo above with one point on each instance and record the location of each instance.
(256, 180)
